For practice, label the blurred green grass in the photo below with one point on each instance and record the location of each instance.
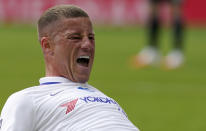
(154, 99)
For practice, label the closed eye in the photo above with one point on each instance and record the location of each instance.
(74, 37)
(91, 37)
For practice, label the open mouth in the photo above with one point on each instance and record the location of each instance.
(83, 60)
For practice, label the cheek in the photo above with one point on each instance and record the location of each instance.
(72, 53)
(93, 46)
(61, 54)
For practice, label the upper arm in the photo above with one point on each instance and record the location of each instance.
(18, 113)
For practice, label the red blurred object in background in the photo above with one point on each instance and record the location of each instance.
(101, 11)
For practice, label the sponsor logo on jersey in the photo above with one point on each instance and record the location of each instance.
(106, 100)
(70, 105)
(1, 120)
(89, 99)
(86, 89)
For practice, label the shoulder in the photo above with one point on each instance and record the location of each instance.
(95, 89)
(21, 96)
(92, 87)
(18, 112)
(18, 101)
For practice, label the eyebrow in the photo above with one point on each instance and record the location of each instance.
(67, 34)
(72, 34)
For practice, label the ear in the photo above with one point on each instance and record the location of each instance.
(46, 46)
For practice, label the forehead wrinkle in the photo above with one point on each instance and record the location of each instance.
(56, 28)
(61, 27)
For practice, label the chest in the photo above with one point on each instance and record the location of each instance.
(63, 108)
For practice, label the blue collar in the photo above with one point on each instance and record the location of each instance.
(53, 80)
(56, 80)
(50, 83)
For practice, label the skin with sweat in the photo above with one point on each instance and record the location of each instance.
(66, 41)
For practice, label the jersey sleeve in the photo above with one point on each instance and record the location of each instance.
(18, 113)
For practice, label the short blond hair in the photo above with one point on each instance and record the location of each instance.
(56, 13)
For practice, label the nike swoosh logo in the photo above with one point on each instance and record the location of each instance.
(53, 94)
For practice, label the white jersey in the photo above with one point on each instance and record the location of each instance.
(58, 104)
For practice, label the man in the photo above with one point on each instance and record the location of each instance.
(64, 101)
(150, 55)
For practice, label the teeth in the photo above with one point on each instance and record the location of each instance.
(86, 57)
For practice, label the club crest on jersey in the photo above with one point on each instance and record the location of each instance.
(70, 105)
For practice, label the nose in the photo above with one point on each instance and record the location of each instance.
(86, 44)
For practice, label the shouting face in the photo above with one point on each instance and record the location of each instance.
(71, 49)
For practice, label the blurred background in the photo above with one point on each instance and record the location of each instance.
(153, 98)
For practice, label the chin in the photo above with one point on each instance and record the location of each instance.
(82, 80)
